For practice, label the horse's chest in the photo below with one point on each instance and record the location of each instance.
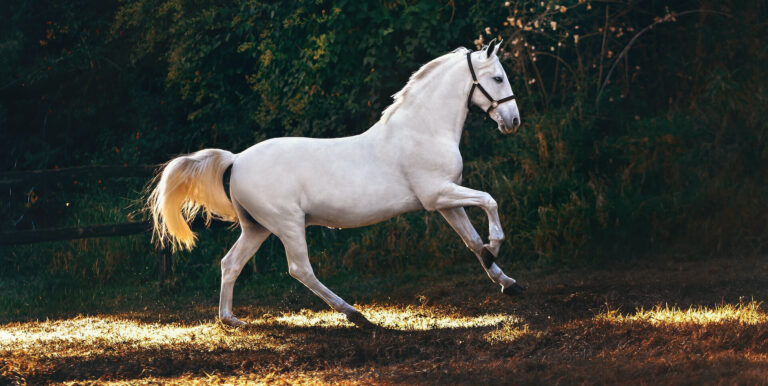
(436, 164)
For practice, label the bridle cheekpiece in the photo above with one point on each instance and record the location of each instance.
(476, 85)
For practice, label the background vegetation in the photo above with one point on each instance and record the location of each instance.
(669, 152)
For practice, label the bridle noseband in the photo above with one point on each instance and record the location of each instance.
(476, 84)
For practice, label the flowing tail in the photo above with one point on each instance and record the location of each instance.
(184, 186)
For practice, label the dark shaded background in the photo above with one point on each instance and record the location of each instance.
(672, 159)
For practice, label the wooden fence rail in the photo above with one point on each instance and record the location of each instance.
(109, 230)
(25, 179)
(17, 178)
(106, 230)
(58, 234)
(48, 176)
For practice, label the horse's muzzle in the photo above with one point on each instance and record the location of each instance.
(507, 128)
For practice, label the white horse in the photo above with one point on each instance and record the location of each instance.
(409, 160)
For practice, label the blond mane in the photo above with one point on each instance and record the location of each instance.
(416, 79)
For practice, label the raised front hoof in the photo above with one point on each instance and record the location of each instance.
(232, 322)
(512, 290)
(361, 321)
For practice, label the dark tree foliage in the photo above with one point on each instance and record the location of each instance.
(671, 149)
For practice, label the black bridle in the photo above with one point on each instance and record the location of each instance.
(477, 85)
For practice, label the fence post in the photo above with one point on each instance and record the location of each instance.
(165, 267)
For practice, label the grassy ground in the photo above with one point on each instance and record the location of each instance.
(649, 322)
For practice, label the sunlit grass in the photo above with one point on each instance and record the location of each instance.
(743, 313)
(509, 333)
(92, 334)
(103, 331)
(409, 318)
(29, 348)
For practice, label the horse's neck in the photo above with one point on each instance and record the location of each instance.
(437, 109)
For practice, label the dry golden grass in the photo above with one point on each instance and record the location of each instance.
(691, 323)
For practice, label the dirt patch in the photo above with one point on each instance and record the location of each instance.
(658, 322)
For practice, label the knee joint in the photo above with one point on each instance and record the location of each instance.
(229, 274)
(300, 274)
(491, 203)
(475, 244)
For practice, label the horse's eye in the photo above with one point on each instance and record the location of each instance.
(498, 79)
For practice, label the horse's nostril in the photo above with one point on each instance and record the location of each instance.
(515, 122)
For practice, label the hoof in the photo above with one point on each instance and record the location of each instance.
(232, 321)
(361, 321)
(512, 290)
(487, 256)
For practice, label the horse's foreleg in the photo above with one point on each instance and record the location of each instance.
(455, 196)
(232, 264)
(300, 268)
(459, 221)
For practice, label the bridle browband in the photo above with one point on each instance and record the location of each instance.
(477, 85)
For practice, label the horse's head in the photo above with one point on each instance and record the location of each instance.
(495, 95)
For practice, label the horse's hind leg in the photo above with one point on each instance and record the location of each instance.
(232, 264)
(294, 241)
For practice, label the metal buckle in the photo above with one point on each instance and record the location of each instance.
(495, 104)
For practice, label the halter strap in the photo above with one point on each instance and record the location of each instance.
(477, 85)
(225, 181)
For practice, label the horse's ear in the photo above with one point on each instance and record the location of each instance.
(491, 48)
